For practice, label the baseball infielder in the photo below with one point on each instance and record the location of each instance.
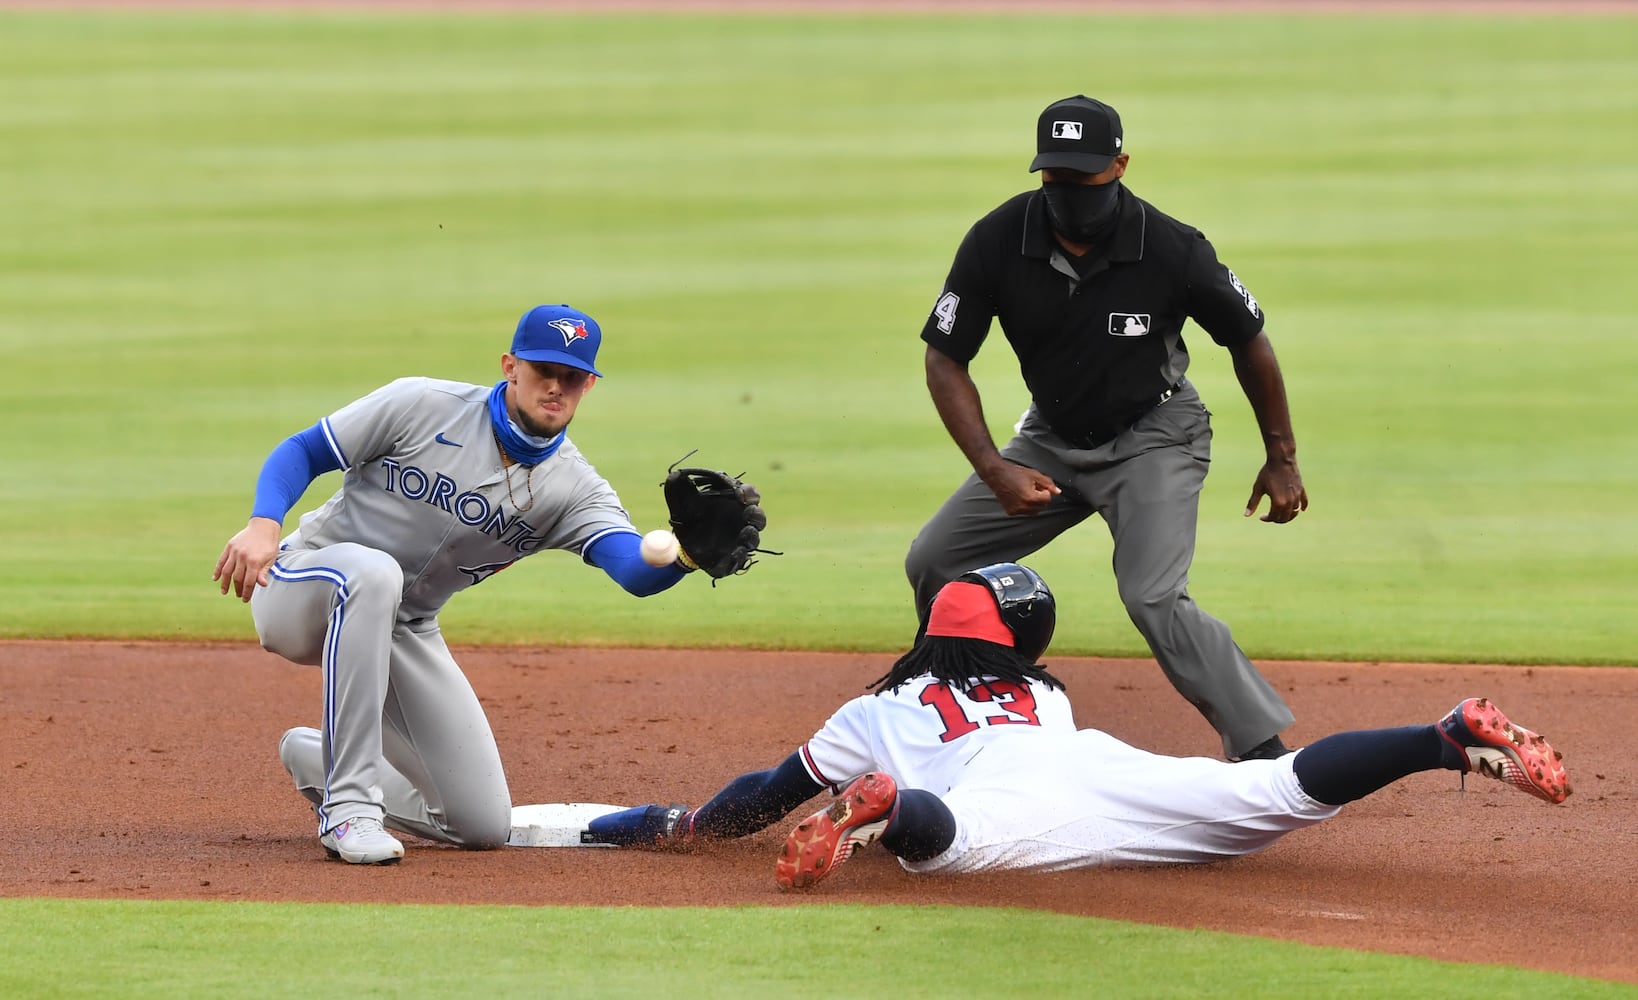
(967, 759)
(446, 485)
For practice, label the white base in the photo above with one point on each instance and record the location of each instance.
(555, 824)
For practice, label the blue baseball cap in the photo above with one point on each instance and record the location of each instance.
(559, 334)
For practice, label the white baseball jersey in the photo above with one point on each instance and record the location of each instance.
(1030, 791)
(424, 511)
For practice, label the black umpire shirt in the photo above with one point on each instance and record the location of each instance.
(1099, 339)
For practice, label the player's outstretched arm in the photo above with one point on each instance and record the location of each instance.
(745, 805)
(619, 555)
(752, 801)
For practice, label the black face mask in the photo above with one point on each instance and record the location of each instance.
(1083, 213)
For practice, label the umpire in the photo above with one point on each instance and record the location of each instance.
(1092, 286)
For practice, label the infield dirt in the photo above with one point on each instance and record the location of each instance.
(150, 771)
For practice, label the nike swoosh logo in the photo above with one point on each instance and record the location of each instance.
(439, 437)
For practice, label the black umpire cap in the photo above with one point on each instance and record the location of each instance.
(1077, 133)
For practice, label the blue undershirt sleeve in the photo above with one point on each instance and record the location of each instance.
(617, 555)
(747, 804)
(289, 470)
(751, 801)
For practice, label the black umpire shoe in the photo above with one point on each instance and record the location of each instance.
(1268, 749)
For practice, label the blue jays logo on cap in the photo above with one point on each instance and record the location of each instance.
(559, 334)
(572, 329)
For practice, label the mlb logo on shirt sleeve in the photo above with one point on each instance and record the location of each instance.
(1128, 324)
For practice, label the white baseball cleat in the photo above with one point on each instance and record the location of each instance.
(363, 841)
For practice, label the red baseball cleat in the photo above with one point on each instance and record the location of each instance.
(1500, 749)
(824, 840)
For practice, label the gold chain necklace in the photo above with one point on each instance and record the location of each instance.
(528, 477)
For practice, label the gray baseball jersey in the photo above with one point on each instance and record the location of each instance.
(426, 510)
(425, 484)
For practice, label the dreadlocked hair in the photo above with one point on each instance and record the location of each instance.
(963, 663)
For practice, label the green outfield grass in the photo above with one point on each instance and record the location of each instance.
(166, 950)
(219, 227)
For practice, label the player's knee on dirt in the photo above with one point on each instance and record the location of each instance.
(475, 814)
(301, 753)
(923, 829)
(481, 829)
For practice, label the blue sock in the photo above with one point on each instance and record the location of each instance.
(1348, 766)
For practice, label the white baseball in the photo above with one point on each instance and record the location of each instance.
(659, 548)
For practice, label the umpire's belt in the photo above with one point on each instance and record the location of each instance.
(1106, 430)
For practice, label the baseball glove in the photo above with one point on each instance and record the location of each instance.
(717, 519)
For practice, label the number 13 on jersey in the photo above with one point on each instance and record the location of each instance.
(1016, 704)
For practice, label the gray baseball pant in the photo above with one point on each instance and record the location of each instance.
(404, 737)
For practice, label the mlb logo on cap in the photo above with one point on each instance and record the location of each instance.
(1077, 133)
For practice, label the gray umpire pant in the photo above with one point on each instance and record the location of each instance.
(403, 736)
(1146, 486)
